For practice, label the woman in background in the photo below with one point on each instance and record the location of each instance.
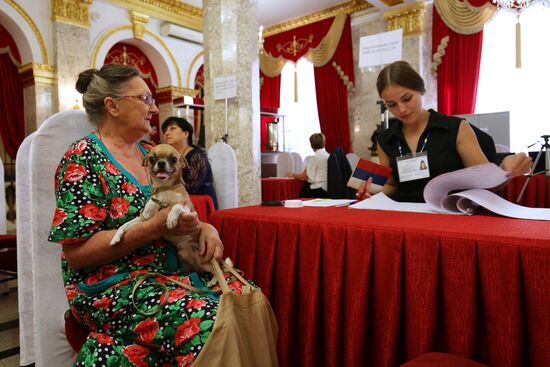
(197, 175)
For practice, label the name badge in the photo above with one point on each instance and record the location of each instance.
(413, 167)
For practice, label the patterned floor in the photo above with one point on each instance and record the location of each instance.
(9, 326)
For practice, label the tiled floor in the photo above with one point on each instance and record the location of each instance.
(8, 312)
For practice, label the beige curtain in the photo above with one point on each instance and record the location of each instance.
(462, 17)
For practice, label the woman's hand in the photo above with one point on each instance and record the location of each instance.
(517, 164)
(364, 188)
(210, 244)
(188, 224)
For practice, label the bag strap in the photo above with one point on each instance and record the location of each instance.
(218, 273)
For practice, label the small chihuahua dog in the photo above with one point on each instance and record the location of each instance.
(164, 164)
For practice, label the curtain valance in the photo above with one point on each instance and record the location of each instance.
(8, 46)
(316, 41)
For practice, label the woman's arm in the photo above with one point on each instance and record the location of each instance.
(471, 154)
(389, 187)
(97, 250)
(302, 176)
(468, 147)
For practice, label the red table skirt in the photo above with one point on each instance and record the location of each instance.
(281, 188)
(204, 205)
(536, 195)
(374, 288)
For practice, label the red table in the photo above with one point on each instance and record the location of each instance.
(374, 288)
(204, 205)
(537, 194)
(281, 188)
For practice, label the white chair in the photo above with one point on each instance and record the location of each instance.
(285, 164)
(47, 147)
(24, 254)
(298, 164)
(353, 159)
(224, 170)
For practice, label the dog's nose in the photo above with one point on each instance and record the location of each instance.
(161, 164)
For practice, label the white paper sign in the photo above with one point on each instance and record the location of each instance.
(225, 87)
(381, 48)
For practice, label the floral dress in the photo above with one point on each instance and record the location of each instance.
(157, 323)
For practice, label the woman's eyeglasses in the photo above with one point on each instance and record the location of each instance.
(147, 99)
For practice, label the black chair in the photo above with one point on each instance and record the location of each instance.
(339, 172)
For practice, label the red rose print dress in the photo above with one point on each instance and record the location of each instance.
(159, 323)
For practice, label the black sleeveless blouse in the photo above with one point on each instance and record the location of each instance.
(441, 147)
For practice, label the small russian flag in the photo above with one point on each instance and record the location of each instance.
(366, 169)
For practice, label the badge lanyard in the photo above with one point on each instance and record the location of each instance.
(424, 144)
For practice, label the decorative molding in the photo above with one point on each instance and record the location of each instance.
(174, 11)
(33, 73)
(409, 17)
(195, 59)
(168, 94)
(344, 8)
(34, 28)
(294, 46)
(138, 23)
(109, 33)
(74, 12)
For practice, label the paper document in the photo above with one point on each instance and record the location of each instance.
(474, 180)
(329, 202)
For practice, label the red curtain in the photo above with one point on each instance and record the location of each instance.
(12, 113)
(457, 81)
(126, 54)
(331, 91)
(270, 92)
(332, 94)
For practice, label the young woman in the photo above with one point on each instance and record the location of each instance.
(444, 143)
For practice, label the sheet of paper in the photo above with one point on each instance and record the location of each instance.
(498, 205)
(329, 202)
(482, 176)
(381, 202)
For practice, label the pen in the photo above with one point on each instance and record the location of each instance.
(345, 204)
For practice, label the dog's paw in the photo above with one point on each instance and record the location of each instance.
(116, 238)
(172, 219)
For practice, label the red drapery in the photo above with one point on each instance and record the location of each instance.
(331, 91)
(12, 113)
(332, 94)
(126, 54)
(457, 81)
(270, 92)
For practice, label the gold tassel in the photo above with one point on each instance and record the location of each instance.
(518, 45)
(296, 85)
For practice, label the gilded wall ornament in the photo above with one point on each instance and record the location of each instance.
(410, 18)
(74, 12)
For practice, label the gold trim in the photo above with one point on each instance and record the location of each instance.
(173, 11)
(34, 28)
(409, 17)
(178, 91)
(345, 79)
(108, 34)
(43, 73)
(195, 59)
(437, 57)
(138, 23)
(464, 18)
(344, 8)
(74, 12)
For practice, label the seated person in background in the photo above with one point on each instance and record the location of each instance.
(197, 174)
(316, 170)
(100, 184)
(445, 143)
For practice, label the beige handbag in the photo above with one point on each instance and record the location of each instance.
(245, 330)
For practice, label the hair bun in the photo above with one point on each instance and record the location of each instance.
(84, 79)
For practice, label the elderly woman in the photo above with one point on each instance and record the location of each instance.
(100, 184)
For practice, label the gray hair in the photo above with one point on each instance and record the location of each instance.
(95, 85)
